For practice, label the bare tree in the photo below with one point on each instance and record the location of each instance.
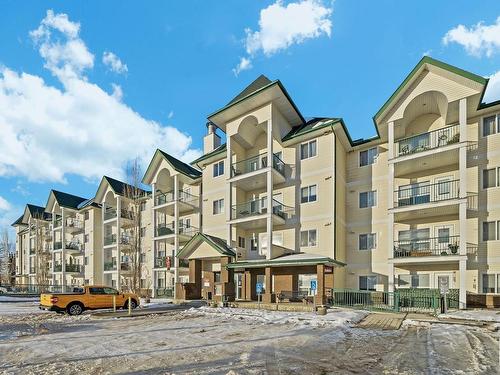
(42, 250)
(5, 257)
(135, 196)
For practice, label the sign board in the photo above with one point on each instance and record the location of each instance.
(258, 288)
(444, 284)
(328, 269)
(216, 267)
(314, 284)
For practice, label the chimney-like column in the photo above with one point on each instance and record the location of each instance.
(212, 139)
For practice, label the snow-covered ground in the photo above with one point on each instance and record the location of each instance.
(477, 314)
(221, 340)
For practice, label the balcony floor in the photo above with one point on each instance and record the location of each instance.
(256, 221)
(256, 180)
(426, 212)
(434, 259)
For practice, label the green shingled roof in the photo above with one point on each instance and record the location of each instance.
(217, 243)
(120, 187)
(38, 211)
(180, 166)
(218, 150)
(18, 221)
(260, 82)
(67, 200)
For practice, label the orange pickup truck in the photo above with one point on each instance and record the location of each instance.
(90, 297)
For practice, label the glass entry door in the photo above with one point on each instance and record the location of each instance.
(238, 285)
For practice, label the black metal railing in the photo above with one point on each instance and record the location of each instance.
(163, 197)
(57, 267)
(420, 193)
(110, 240)
(72, 245)
(256, 163)
(187, 230)
(163, 261)
(127, 214)
(188, 198)
(126, 266)
(74, 268)
(110, 266)
(257, 207)
(427, 141)
(58, 245)
(74, 224)
(435, 246)
(109, 213)
(164, 229)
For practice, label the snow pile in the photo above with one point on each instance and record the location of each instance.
(19, 299)
(476, 315)
(155, 302)
(333, 318)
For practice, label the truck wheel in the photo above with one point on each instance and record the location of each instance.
(74, 309)
(133, 304)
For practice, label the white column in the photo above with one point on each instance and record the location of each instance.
(269, 189)
(63, 251)
(53, 243)
(228, 199)
(390, 130)
(390, 227)
(118, 249)
(462, 267)
(176, 230)
(153, 244)
(103, 234)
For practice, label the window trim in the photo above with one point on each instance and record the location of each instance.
(374, 234)
(496, 229)
(307, 231)
(367, 150)
(496, 282)
(368, 207)
(367, 276)
(217, 163)
(309, 194)
(221, 211)
(496, 179)
(497, 130)
(307, 142)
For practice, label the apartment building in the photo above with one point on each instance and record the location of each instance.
(294, 204)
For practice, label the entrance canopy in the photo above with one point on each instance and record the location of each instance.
(299, 259)
(205, 246)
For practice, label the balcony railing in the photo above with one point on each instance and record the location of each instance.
(163, 261)
(256, 207)
(78, 246)
(57, 245)
(58, 222)
(74, 224)
(187, 230)
(126, 214)
(58, 267)
(435, 246)
(109, 213)
(422, 193)
(256, 163)
(164, 229)
(109, 266)
(77, 268)
(32, 270)
(428, 141)
(126, 266)
(188, 198)
(110, 240)
(163, 197)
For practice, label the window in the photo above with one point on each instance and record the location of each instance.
(490, 125)
(218, 206)
(254, 244)
(367, 282)
(277, 240)
(308, 150)
(367, 241)
(443, 235)
(219, 168)
(489, 230)
(143, 232)
(241, 242)
(217, 277)
(308, 194)
(489, 283)
(86, 238)
(414, 281)
(110, 291)
(261, 279)
(143, 206)
(367, 199)
(304, 283)
(86, 261)
(489, 178)
(86, 215)
(308, 238)
(368, 157)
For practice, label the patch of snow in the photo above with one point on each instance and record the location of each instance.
(18, 299)
(476, 315)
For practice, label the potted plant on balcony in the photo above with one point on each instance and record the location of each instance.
(453, 248)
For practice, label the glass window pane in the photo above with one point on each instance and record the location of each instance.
(363, 245)
(371, 281)
(303, 238)
(489, 125)
(404, 281)
(444, 235)
(489, 178)
(312, 237)
(363, 158)
(312, 193)
(304, 151)
(312, 149)
(304, 195)
(488, 283)
(363, 200)
(489, 231)
(372, 241)
(362, 282)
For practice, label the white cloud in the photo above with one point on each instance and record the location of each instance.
(170, 114)
(493, 90)
(478, 39)
(65, 54)
(48, 132)
(4, 205)
(117, 92)
(113, 62)
(281, 26)
(245, 64)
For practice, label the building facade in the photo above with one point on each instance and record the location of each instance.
(294, 205)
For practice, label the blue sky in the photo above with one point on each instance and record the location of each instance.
(71, 115)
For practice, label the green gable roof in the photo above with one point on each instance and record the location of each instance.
(68, 200)
(180, 166)
(219, 150)
(217, 243)
(38, 212)
(18, 221)
(120, 187)
(260, 82)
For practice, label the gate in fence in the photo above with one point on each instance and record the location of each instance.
(402, 300)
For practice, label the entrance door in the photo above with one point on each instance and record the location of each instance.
(443, 238)
(443, 278)
(443, 189)
(238, 283)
